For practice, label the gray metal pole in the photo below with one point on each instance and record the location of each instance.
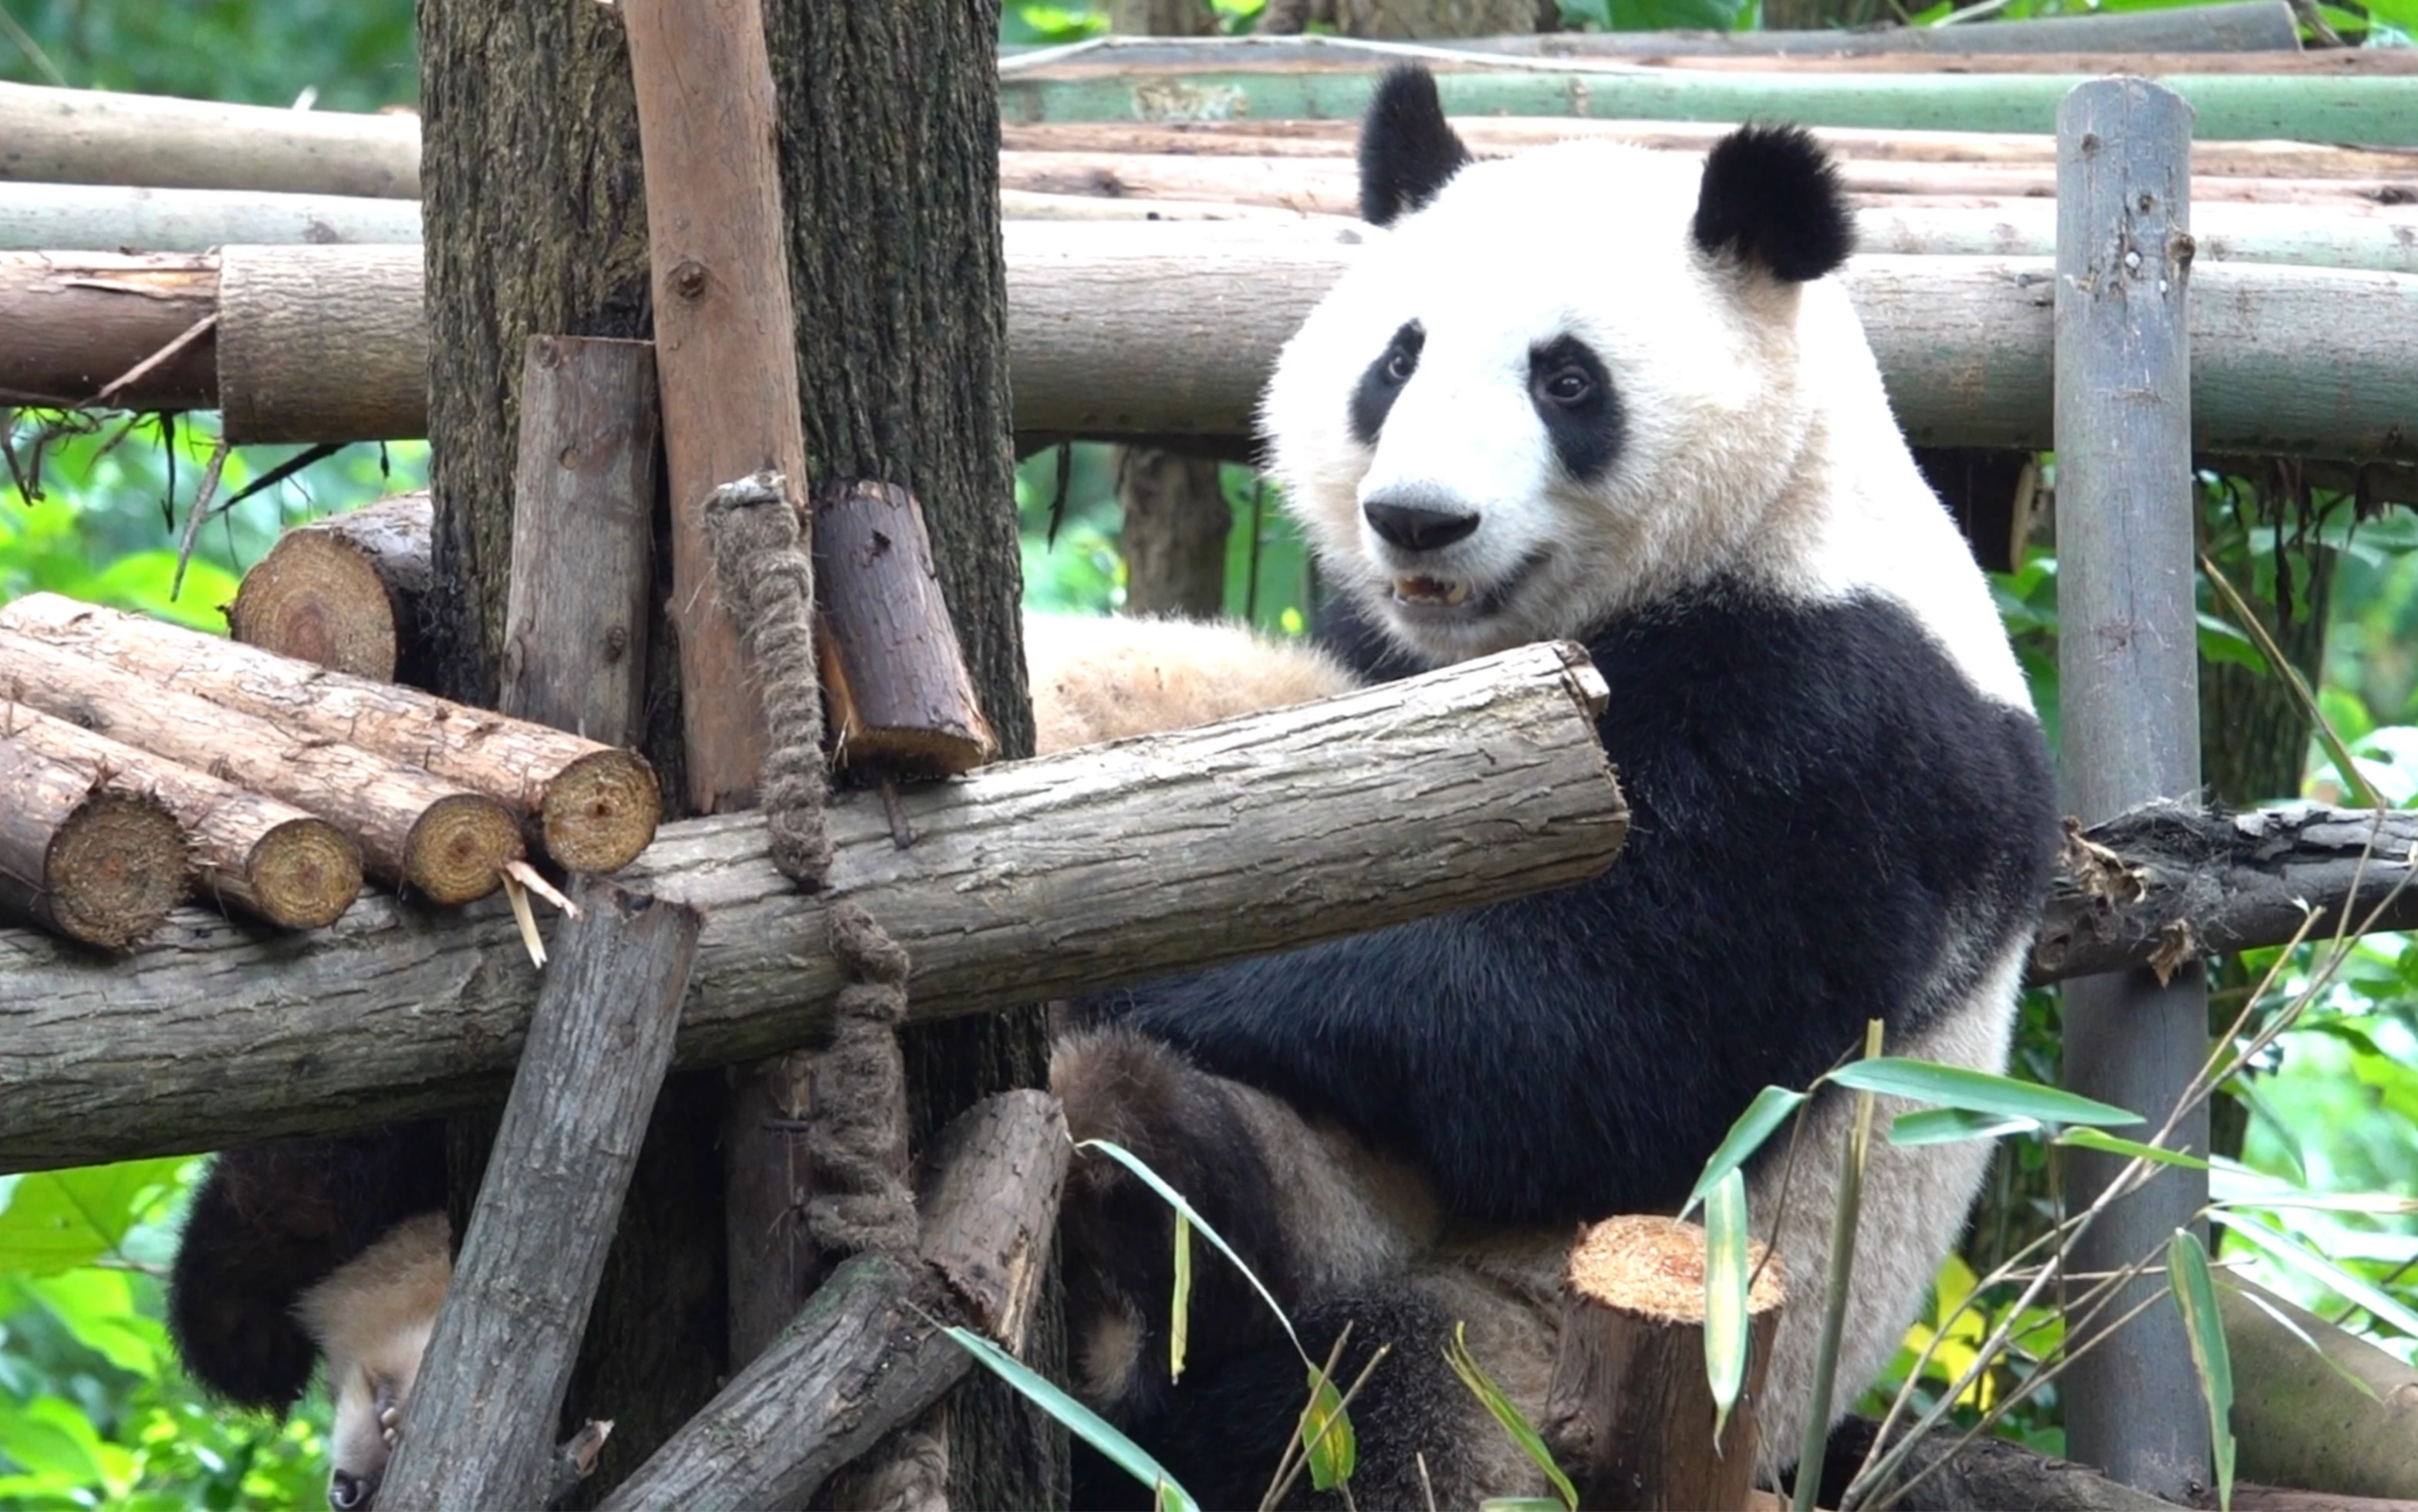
(2129, 668)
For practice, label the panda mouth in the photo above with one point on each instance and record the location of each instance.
(1433, 591)
(1421, 597)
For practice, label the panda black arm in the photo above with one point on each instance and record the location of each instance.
(1829, 824)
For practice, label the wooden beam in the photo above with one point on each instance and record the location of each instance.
(2128, 657)
(139, 219)
(1026, 881)
(93, 136)
(494, 1377)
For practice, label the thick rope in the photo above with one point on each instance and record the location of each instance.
(768, 582)
(858, 1137)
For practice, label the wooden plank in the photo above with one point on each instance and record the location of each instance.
(724, 343)
(583, 538)
(2129, 663)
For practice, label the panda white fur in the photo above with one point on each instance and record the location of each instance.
(1595, 393)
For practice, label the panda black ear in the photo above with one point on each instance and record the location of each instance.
(1407, 152)
(1771, 197)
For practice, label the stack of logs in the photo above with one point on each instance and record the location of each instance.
(139, 760)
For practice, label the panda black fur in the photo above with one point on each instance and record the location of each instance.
(1585, 392)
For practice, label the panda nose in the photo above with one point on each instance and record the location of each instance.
(349, 1492)
(1418, 527)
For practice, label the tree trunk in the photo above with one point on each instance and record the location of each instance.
(536, 224)
(889, 178)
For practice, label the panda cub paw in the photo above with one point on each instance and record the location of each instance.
(1103, 678)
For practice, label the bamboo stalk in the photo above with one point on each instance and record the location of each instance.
(414, 830)
(594, 806)
(250, 852)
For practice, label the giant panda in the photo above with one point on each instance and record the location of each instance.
(1596, 394)
(1586, 393)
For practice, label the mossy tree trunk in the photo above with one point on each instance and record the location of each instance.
(536, 223)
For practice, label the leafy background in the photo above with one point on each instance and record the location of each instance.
(93, 1410)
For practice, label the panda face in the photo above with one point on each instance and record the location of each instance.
(1552, 392)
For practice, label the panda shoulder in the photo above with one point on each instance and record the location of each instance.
(1100, 678)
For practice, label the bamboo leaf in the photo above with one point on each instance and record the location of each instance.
(1948, 1126)
(1081, 1420)
(1728, 1335)
(1326, 1437)
(1770, 1110)
(1186, 1211)
(2195, 1294)
(1482, 1386)
(1179, 1317)
(2107, 1144)
(1975, 1091)
(2276, 1247)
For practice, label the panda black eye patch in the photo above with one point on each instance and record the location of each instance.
(1373, 396)
(1573, 396)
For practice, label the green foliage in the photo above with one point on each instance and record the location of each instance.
(1659, 15)
(93, 1410)
(1078, 1419)
(356, 55)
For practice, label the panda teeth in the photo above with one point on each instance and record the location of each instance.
(1431, 590)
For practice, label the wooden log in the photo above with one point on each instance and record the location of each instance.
(2260, 24)
(1169, 330)
(724, 338)
(2371, 108)
(343, 592)
(900, 696)
(2129, 664)
(1027, 880)
(1498, 136)
(70, 323)
(593, 807)
(93, 136)
(81, 853)
(247, 850)
(316, 343)
(865, 1355)
(1628, 1410)
(583, 538)
(1329, 185)
(136, 219)
(443, 842)
(2341, 1417)
(494, 1377)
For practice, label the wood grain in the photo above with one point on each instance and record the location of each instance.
(343, 592)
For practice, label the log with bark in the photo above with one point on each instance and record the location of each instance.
(445, 843)
(81, 852)
(1629, 1411)
(247, 850)
(135, 220)
(1026, 881)
(343, 592)
(94, 136)
(494, 1377)
(866, 1353)
(2314, 1406)
(593, 807)
(1168, 329)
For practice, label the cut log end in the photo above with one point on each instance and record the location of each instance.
(302, 875)
(458, 847)
(318, 598)
(601, 811)
(114, 869)
(1653, 1268)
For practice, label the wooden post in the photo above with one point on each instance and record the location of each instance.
(344, 592)
(1629, 1409)
(481, 1428)
(2128, 665)
(79, 852)
(583, 538)
(725, 345)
